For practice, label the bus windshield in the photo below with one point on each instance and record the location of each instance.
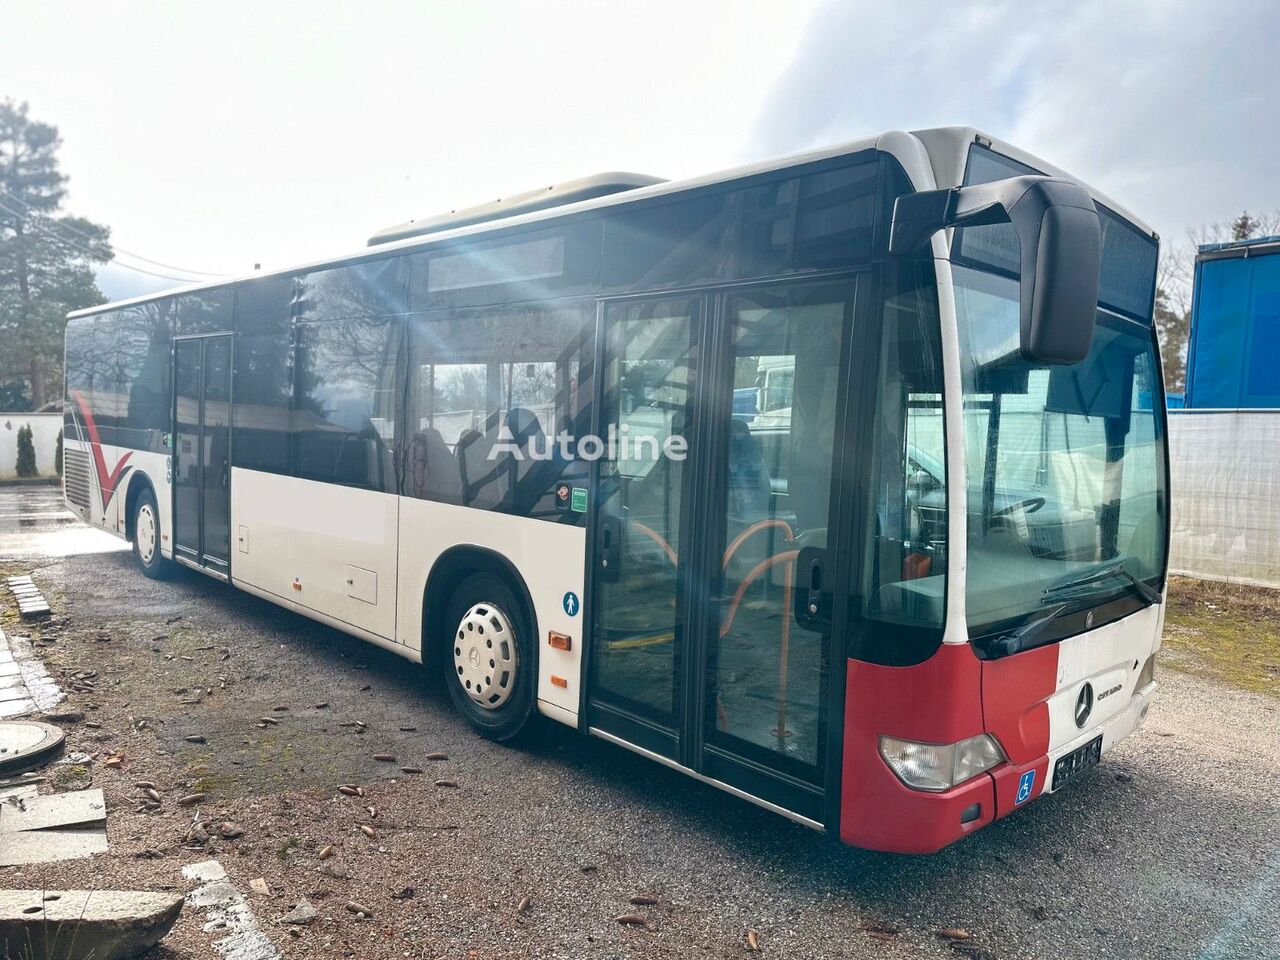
(1065, 464)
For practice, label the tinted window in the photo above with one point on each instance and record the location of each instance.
(1128, 256)
(208, 311)
(344, 412)
(670, 242)
(263, 375)
(533, 265)
(491, 392)
(372, 289)
(87, 369)
(143, 342)
(823, 219)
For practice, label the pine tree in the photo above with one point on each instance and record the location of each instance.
(1244, 227)
(26, 452)
(46, 257)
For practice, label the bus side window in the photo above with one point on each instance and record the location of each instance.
(907, 558)
(343, 420)
(263, 377)
(492, 392)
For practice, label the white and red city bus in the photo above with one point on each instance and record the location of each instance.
(837, 482)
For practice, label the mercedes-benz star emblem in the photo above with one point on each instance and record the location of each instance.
(1084, 705)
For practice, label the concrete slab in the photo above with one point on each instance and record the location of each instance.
(48, 846)
(13, 709)
(84, 924)
(13, 693)
(56, 810)
(21, 792)
(228, 910)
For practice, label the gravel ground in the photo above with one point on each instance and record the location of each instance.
(1171, 848)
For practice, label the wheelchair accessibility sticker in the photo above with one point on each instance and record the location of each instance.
(1025, 783)
(571, 604)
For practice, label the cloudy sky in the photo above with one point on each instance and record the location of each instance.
(211, 137)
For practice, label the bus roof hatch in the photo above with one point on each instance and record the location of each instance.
(556, 195)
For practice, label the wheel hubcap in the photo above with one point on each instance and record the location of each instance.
(485, 656)
(146, 533)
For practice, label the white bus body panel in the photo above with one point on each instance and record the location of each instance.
(317, 546)
(1109, 657)
(551, 557)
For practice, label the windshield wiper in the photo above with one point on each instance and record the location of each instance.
(1145, 591)
(1023, 638)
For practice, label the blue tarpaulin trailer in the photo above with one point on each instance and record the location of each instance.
(1224, 445)
(1233, 359)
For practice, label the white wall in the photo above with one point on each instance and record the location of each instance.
(44, 428)
(1225, 467)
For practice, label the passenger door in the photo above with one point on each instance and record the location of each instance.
(713, 575)
(202, 453)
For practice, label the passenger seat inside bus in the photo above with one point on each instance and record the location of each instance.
(433, 471)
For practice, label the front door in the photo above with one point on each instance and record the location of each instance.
(202, 452)
(712, 578)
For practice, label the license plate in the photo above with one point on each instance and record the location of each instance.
(1077, 762)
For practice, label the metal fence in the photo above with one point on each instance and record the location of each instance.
(1225, 467)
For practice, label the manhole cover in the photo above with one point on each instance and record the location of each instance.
(27, 743)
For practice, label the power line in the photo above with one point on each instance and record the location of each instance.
(40, 228)
(128, 253)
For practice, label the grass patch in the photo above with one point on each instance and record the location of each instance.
(1225, 631)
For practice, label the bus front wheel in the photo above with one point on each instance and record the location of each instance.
(490, 662)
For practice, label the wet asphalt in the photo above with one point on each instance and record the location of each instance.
(1171, 848)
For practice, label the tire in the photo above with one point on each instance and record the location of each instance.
(490, 629)
(146, 538)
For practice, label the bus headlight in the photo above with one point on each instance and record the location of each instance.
(939, 766)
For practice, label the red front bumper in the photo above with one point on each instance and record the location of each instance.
(938, 701)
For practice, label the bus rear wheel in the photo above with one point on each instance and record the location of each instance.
(146, 537)
(490, 661)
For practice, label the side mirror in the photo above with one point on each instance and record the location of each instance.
(1061, 241)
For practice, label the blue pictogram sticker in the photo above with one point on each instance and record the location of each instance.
(571, 604)
(1025, 783)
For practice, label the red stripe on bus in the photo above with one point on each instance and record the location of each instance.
(107, 479)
